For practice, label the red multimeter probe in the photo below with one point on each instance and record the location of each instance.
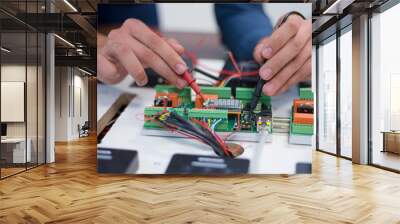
(192, 83)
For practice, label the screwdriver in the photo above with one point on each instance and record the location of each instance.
(192, 83)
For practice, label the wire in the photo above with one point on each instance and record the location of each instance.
(235, 65)
(174, 122)
(201, 71)
(225, 81)
(215, 124)
(196, 65)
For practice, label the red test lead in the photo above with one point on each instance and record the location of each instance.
(192, 83)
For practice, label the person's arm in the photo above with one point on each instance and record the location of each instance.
(242, 27)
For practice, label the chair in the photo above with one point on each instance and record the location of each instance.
(84, 129)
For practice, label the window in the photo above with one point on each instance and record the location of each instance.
(385, 89)
(22, 78)
(327, 95)
(346, 92)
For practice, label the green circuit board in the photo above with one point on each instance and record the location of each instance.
(224, 112)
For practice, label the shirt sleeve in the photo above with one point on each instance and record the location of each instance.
(109, 14)
(242, 25)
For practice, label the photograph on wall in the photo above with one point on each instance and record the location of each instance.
(205, 88)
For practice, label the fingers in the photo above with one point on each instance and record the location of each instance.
(270, 45)
(145, 35)
(133, 47)
(176, 45)
(128, 60)
(279, 80)
(287, 53)
(150, 59)
(107, 71)
(303, 74)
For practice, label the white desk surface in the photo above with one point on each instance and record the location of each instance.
(154, 153)
(106, 96)
(13, 140)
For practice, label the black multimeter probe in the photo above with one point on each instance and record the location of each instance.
(261, 82)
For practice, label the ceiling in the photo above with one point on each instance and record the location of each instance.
(75, 21)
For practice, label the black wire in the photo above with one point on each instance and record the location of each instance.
(201, 71)
(212, 144)
(174, 120)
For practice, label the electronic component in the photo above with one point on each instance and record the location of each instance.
(264, 124)
(166, 100)
(246, 94)
(303, 118)
(264, 119)
(200, 100)
(220, 112)
(209, 113)
(281, 124)
(304, 129)
(221, 92)
(306, 93)
(302, 121)
(305, 108)
(230, 104)
(162, 101)
(184, 95)
(247, 120)
(301, 106)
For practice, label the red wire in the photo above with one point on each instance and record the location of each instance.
(235, 65)
(192, 56)
(174, 129)
(222, 143)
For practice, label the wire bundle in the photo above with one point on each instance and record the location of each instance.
(201, 132)
(229, 75)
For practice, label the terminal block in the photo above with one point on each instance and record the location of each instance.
(303, 112)
(150, 112)
(166, 100)
(229, 104)
(184, 94)
(302, 129)
(246, 94)
(220, 117)
(302, 120)
(200, 101)
(221, 92)
(306, 94)
(208, 113)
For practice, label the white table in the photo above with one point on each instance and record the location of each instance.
(19, 155)
(154, 153)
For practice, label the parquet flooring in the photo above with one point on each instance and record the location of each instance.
(70, 191)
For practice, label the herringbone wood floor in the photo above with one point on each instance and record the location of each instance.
(70, 191)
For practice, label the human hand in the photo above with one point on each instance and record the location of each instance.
(285, 55)
(132, 48)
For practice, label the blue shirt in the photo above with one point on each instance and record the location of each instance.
(242, 25)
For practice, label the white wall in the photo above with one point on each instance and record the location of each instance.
(70, 83)
(33, 126)
(61, 103)
(199, 17)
